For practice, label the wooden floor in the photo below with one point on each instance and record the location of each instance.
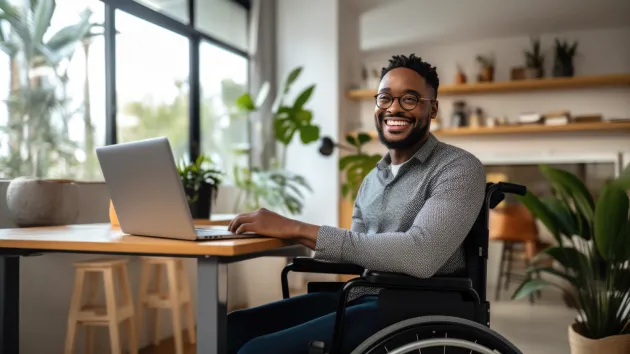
(167, 346)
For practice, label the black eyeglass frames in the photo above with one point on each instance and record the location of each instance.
(408, 101)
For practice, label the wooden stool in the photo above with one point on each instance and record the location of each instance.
(174, 298)
(92, 314)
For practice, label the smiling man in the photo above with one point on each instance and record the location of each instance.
(411, 216)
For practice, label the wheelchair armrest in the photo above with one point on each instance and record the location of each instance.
(406, 281)
(311, 265)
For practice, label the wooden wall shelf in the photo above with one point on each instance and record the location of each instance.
(531, 129)
(616, 80)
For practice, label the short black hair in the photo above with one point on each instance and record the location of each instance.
(416, 64)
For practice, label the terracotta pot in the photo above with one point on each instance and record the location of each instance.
(42, 202)
(618, 344)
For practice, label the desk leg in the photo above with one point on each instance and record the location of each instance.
(9, 304)
(211, 306)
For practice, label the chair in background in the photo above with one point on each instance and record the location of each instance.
(515, 227)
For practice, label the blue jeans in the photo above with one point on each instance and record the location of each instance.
(287, 326)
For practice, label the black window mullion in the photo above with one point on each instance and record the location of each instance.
(111, 136)
(194, 99)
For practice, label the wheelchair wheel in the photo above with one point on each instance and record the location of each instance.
(436, 334)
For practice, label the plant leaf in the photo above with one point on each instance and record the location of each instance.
(569, 258)
(363, 138)
(284, 130)
(43, 13)
(556, 272)
(563, 215)
(623, 181)
(295, 73)
(569, 184)
(542, 212)
(245, 103)
(303, 98)
(531, 286)
(611, 222)
(351, 140)
(309, 134)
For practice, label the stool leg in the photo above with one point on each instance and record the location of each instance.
(145, 276)
(173, 287)
(75, 306)
(190, 312)
(93, 290)
(131, 326)
(497, 289)
(156, 311)
(112, 313)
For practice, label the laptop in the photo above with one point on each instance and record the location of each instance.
(147, 192)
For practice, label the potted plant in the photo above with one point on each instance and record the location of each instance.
(201, 180)
(274, 186)
(563, 62)
(591, 258)
(487, 68)
(535, 61)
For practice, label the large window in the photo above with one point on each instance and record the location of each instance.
(152, 68)
(109, 71)
(53, 117)
(224, 131)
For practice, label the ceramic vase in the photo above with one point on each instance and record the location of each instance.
(32, 201)
(619, 344)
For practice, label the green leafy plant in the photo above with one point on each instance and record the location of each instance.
(288, 119)
(535, 59)
(592, 251)
(274, 187)
(356, 166)
(195, 175)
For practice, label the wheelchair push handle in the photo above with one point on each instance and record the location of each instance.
(512, 188)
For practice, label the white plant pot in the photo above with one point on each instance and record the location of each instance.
(33, 201)
(618, 344)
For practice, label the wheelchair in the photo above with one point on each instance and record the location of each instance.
(452, 316)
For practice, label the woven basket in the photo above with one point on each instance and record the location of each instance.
(618, 344)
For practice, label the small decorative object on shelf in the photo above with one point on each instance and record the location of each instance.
(201, 180)
(563, 62)
(557, 118)
(517, 73)
(460, 77)
(459, 117)
(486, 73)
(476, 119)
(42, 202)
(535, 61)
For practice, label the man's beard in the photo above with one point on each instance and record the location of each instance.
(416, 134)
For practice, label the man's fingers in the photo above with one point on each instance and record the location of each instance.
(237, 221)
(247, 227)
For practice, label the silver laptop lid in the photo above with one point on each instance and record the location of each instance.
(146, 189)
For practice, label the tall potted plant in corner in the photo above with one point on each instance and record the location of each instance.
(592, 256)
(201, 180)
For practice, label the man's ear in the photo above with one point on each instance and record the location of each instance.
(434, 109)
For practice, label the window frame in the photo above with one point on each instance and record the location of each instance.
(195, 38)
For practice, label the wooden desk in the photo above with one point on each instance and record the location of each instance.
(212, 258)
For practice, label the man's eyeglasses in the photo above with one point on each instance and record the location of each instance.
(407, 101)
